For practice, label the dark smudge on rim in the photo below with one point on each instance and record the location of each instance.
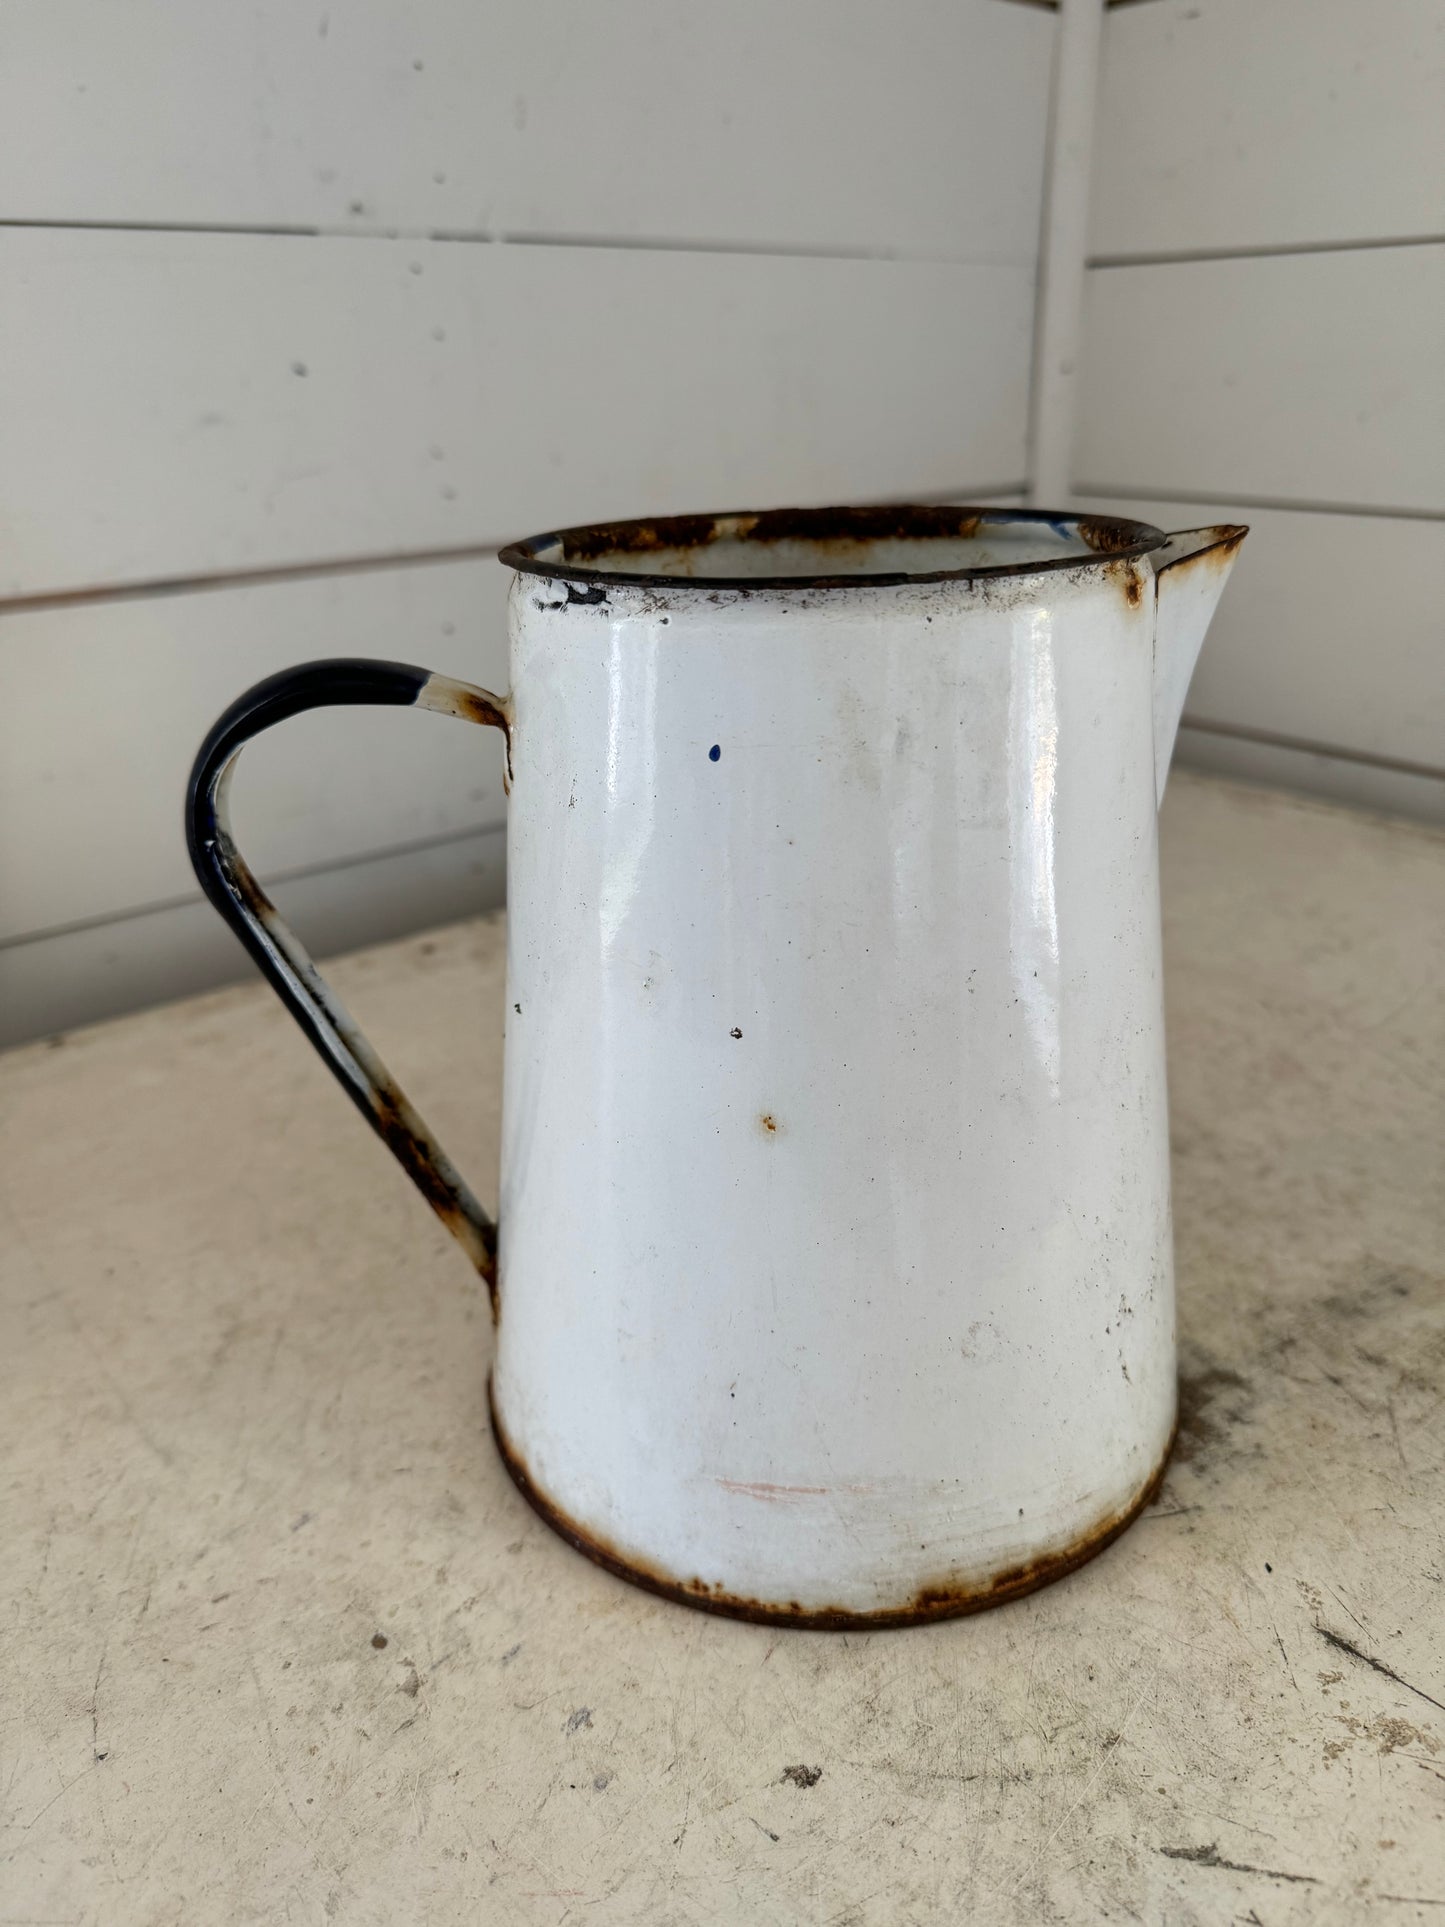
(839, 532)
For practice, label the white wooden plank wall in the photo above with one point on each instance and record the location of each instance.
(816, 125)
(1227, 124)
(1264, 310)
(306, 308)
(260, 401)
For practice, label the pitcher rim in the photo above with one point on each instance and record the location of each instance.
(575, 552)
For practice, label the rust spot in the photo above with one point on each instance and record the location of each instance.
(835, 530)
(1107, 536)
(769, 1123)
(945, 1600)
(840, 535)
(1227, 538)
(1230, 535)
(639, 538)
(382, 1102)
(761, 1489)
(1133, 586)
(473, 707)
(417, 1157)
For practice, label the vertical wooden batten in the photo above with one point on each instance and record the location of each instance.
(1059, 301)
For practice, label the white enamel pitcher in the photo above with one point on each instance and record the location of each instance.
(834, 1279)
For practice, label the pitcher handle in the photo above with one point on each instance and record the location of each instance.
(232, 888)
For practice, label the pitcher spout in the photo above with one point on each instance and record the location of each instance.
(1190, 571)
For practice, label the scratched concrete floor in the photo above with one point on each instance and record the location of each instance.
(282, 1644)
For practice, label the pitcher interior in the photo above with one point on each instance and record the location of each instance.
(819, 547)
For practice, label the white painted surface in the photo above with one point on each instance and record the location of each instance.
(1274, 385)
(1333, 631)
(1190, 573)
(1306, 378)
(156, 422)
(835, 124)
(1053, 400)
(1236, 124)
(835, 1247)
(103, 707)
(244, 1434)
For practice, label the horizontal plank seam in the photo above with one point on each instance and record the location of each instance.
(1298, 505)
(203, 583)
(1335, 752)
(1265, 251)
(668, 244)
(1019, 259)
(288, 230)
(168, 585)
(298, 873)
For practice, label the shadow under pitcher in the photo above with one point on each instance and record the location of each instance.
(833, 1274)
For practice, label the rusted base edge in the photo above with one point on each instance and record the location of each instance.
(942, 1601)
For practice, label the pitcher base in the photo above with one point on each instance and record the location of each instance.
(929, 1603)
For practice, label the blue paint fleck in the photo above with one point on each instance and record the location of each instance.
(714, 753)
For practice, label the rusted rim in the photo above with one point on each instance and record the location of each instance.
(930, 1606)
(1110, 539)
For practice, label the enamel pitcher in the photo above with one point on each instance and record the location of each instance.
(833, 1280)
